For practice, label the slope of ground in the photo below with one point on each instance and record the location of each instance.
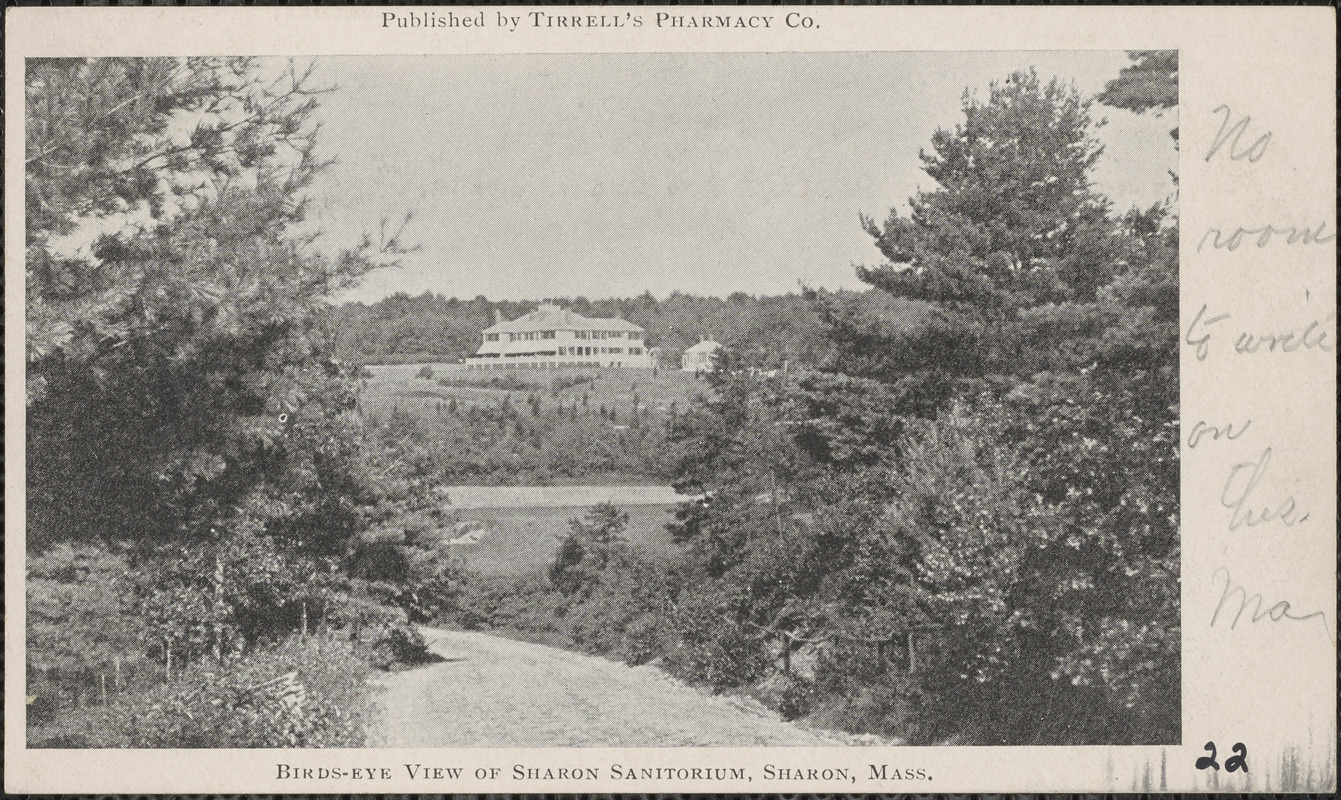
(400, 387)
(492, 692)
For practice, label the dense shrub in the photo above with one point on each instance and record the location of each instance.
(508, 382)
(627, 610)
(83, 636)
(562, 382)
(588, 548)
(303, 692)
(711, 646)
(398, 645)
(523, 605)
(791, 695)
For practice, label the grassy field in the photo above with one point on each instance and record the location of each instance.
(520, 526)
(397, 386)
(521, 541)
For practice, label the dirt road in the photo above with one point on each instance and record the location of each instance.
(494, 692)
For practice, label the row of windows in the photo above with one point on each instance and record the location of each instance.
(532, 335)
(569, 351)
(606, 335)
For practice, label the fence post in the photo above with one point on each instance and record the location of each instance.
(786, 652)
(912, 654)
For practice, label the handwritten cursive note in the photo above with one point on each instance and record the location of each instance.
(1240, 496)
(1278, 611)
(1263, 235)
(1232, 134)
(1317, 334)
(1201, 430)
(1265, 502)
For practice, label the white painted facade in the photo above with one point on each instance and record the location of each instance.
(552, 337)
(699, 358)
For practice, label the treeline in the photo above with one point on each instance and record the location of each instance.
(765, 330)
(964, 530)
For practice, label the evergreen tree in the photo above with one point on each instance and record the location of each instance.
(1014, 226)
(1000, 467)
(1060, 324)
(183, 409)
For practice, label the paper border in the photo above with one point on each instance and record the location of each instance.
(1272, 685)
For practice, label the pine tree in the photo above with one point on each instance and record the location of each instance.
(1015, 226)
(1000, 464)
(1050, 357)
(183, 409)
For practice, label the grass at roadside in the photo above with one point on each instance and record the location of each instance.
(302, 692)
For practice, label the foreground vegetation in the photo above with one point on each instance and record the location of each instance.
(200, 486)
(301, 692)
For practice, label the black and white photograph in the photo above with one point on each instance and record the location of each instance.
(603, 400)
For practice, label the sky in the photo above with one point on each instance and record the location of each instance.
(537, 176)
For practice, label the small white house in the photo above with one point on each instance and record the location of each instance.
(700, 357)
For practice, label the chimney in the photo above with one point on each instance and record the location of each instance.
(498, 316)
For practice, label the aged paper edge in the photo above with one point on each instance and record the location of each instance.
(1250, 58)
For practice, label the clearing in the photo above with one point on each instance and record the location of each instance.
(518, 528)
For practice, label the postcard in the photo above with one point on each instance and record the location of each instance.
(670, 399)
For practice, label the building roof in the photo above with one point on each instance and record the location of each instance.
(550, 317)
(705, 346)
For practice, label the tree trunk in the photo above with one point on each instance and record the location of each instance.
(777, 513)
(217, 647)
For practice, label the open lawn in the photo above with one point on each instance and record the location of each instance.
(520, 540)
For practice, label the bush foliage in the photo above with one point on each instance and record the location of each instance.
(302, 692)
(200, 485)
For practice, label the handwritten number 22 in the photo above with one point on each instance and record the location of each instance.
(1238, 761)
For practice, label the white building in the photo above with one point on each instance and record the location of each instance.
(554, 337)
(699, 358)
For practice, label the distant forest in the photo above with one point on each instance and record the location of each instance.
(763, 330)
